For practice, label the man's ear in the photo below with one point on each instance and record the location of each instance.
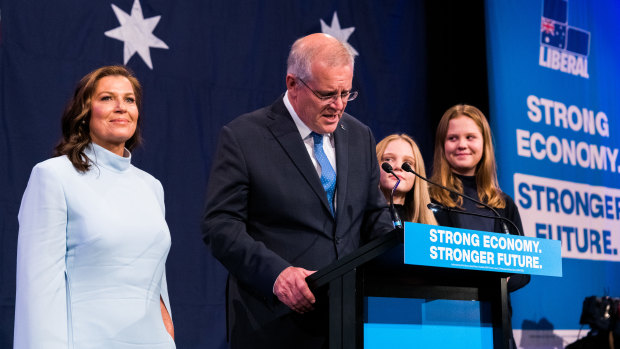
(291, 84)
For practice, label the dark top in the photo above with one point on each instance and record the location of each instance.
(400, 209)
(474, 222)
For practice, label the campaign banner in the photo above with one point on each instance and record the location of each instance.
(582, 216)
(555, 116)
(446, 247)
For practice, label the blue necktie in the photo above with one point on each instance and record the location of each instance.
(328, 175)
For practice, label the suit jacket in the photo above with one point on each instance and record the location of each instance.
(267, 210)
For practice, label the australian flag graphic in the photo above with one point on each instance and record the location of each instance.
(556, 32)
(553, 33)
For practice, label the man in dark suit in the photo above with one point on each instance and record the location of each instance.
(293, 187)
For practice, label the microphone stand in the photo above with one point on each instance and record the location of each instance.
(408, 168)
(395, 218)
(438, 207)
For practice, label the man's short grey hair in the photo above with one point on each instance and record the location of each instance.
(334, 52)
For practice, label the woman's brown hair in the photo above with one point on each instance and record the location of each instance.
(486, 170)
(76, 117)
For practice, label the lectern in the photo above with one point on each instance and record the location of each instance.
(378, 269)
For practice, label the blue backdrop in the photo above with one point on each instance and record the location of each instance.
(201, 64)
(555, 111)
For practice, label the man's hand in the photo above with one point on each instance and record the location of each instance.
(291, 289)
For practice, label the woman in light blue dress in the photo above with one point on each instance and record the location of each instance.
(93, 240)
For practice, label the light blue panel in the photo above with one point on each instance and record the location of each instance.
(381, 336)
(393, 310)
(401, 322)
(457, 313)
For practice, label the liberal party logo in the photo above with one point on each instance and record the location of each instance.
(562, 47)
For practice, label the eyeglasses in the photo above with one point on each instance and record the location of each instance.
(345, 96)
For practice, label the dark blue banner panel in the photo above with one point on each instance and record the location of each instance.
(201, 63)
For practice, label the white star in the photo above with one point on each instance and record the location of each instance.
(335, 31)
(136, 32)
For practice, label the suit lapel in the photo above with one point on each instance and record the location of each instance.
(285, 132)
(341, 138)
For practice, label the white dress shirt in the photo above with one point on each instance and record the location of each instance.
(328, 147)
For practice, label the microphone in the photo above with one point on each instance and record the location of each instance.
(395, 218)
(438, 207)
(408, 168)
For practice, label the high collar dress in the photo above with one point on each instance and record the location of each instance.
(91, 257)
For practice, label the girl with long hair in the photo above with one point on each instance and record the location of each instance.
(464, 161)
(411, 196)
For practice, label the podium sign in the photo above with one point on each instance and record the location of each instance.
(372, 292)
(447, 247)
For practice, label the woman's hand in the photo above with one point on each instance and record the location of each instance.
(166, 317)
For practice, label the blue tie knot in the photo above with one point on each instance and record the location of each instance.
(318, 139)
